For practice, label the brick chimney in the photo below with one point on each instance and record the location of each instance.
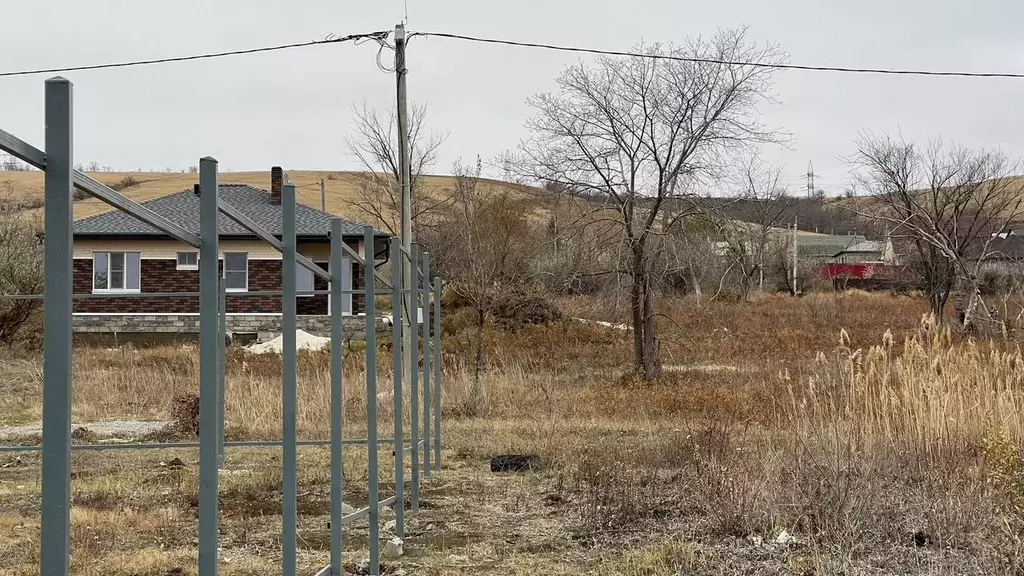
(276, 183)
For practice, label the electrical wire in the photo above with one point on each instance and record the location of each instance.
(888, 71)
(379, 36)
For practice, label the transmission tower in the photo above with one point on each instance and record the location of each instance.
(810, 179)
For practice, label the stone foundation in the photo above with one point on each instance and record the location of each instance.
(263, 327)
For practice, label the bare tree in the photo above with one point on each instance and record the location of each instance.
(375, 146)
(948, 203)
(21, 266)
(484, 247)
(753, 244)
(636, 130)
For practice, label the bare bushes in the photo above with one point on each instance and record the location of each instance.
(21, 269)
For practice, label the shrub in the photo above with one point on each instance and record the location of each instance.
(21, 269)
(519, 311)
(126, 182)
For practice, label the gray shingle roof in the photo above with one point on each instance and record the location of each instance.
(183, 209)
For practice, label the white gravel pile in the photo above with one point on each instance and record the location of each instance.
(303, 341)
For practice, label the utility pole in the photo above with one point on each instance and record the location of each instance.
(404, 162)
(323, 196)
(795, 255)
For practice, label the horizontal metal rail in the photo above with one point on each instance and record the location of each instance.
(410, 259)
(247, 223)
(362, 261)
(352, 517)
(189, 445)
(27, 153)
(363, 512)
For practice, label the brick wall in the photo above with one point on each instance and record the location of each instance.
(163, 276)
(266, 327)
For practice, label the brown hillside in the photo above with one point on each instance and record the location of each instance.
(342, 189)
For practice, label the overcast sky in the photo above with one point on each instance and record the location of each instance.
(294, 108)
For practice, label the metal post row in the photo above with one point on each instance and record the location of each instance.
(58, 296)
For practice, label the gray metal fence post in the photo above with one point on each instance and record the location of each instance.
(414, 387)
(424, 292)
(396, 346)
(437, 373)
(289, 393)
(371, 401)
(55, 521)
(222, 334)
(209, 363)
(337, 393)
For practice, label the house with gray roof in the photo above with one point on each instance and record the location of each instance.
(120, 259)
(843, 249)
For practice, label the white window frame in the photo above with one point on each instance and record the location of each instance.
(188, 266)
(224, 274)
(122, 290)
(301, 272)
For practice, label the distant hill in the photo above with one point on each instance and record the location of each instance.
(825, 216)
(341, 188)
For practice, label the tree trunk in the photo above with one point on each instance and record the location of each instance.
(938, 298)
(652, 347)
(695, 284)
(972, 308)
(477, 393)
(645, 345)
(636, 309)
(937, 303)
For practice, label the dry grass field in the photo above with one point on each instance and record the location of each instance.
(341, 188)
(876, 442)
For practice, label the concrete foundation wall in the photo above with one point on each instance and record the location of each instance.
(264, 327)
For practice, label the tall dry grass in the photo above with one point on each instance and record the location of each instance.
(931, 391)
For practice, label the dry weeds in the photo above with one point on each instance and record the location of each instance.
(894, 448)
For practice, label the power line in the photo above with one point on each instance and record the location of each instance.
(381, 37)
(889, 71)
(330, 40)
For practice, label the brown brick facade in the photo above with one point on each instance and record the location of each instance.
(163, 276)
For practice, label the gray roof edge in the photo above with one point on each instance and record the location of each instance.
(320, 230)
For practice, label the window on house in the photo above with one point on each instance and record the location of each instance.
(188, 260)
(116, 271)
(236, 271)
(303, 280)
(348, 269)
